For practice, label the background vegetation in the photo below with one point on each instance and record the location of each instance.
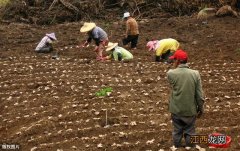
(57, 11)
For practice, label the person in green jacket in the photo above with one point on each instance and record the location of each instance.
(186, 99)
(117, 53)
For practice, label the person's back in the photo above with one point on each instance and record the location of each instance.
(133, 26)
(168, 44)
(98, 33)
(184, 81)
(126, 55)
(43, 43)
(166, 47)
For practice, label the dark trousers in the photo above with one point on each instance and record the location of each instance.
(238, 4)
(45, 49)
(131, 38)
(166, 55)
(184, 126)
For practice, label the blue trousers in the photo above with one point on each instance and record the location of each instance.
(183, 126)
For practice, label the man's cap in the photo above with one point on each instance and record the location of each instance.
(125, 15)
(179, 55)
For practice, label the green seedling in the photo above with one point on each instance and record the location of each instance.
(104, 92)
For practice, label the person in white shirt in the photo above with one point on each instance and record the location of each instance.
(45, 45)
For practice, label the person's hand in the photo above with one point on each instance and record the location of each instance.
(200, 113)
(85, 44)
(123, 35)
(104, 58)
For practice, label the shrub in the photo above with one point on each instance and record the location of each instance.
(3, 3)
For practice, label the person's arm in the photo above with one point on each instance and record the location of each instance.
(89, 40)
(86, 42)
(97, 41)
(170, 78)
(90, 37)
(115, 55)
(119, 56)
(48, 42)
(199, 95)
(159, 53)
(96, 36)
(107, 57)
(160, 50)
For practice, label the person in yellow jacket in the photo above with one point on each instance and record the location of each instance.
(117, 53)
(164, 48)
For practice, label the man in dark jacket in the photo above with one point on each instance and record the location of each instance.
(186, 99)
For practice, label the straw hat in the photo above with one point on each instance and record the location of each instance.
(111, 46)
(52, 35)
(87, 27)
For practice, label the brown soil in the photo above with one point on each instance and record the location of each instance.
(51, 104)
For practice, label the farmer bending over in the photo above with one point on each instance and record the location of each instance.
(164, 48)
(45, 45)
(98, 35)
(117, 53)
